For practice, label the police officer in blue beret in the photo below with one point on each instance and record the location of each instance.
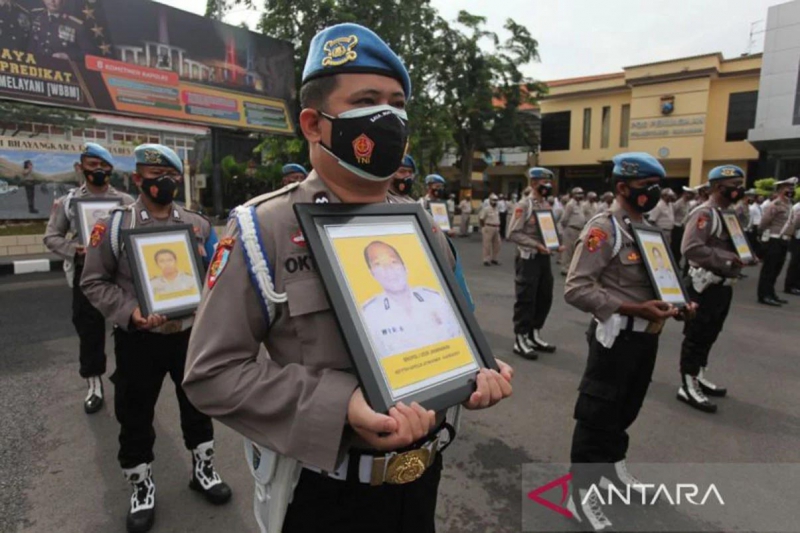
(609, 280)
(302, 407)
(293, 173)
(148, 347)
(403, 180)
(62, 237)
(436, 192)
(714, 266)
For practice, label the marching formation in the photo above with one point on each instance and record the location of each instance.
(327, 460)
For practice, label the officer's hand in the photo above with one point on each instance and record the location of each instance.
(152, 321)
(542, 249)
(451, 233)
(688, 312)
(562, 248)
(491, 388)
(656, 310)
(80, 250)
(367, 423)
(413, 423)
(505, 370)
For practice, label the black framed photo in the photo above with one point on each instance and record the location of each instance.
(661, 265)
(440, 216)
(547, 229)
(90, 211)
(167, 269)
(409, 330)
(738, 237)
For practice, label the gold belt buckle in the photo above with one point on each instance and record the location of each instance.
(407, 467)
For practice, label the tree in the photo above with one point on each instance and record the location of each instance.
(15, 114)
(482, 89)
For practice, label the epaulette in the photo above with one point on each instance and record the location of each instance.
(76, 20)
(198, 213)
(270, 195)
(36, 9)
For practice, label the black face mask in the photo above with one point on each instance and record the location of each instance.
(98, 177)
(733, 193)
(545, 189)
(788, 193)
(370, 142)
(404, 186)
(162, 190)
(644, 199)
(438, 193)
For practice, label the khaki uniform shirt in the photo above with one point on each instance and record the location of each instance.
(295, 400)
(107, 281)
(742, 210)
(704, 249)
(523, 229)
(466, 207)
(680, 209)
(62, 234)
(662, 216)
(574, 216)
(591, 209)
(775, 218)
(490, 216)
(598, 281)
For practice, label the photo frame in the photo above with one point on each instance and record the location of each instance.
(546, 223)
(89, 211)
(661, 266)
(440, 215)
(167, 269)
(740, 242)
(408, 328)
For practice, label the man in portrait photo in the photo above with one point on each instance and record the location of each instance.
(403, 318)
(663, 274)
(171, 279)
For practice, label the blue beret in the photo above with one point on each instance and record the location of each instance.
(539, 173)
(434, 178)
(351, 48)
(725, 172)
(95, 150)
(157, 155)
(637, 165)
(294, 167)
(409, 162)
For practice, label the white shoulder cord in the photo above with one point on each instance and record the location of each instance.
(116, 224)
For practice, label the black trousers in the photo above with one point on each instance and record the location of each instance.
(503, 221)
(675, 245)
(774, 258)
(334, 506)
(793, 272)
(143, 359)
(611, 394)
(700, 334)
(91, 327)
(533, 285)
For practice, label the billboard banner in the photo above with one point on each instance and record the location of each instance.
(143, 58)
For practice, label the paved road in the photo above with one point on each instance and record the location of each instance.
(58, 470)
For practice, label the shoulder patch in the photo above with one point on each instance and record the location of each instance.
(518, 212)
(595, 239)
(221, 257)
(98, 231)
(270, 195)
(702, 221)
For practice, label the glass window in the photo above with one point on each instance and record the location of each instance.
(625, 126)
(587, 128)
(606, 127)
(741, 115)
(555, 131)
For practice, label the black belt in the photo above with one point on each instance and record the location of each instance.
(493, 225)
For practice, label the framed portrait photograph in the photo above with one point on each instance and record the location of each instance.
(89, 211)
(407, 325)
(547, 229)
(167, 269)
(740, 241)
(661, 266)
(439, 214)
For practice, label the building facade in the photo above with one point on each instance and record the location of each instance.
(692, 113)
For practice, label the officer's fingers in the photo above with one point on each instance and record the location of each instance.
(402, 436)
(415, 425)
(361, 415)
(505, 370)
(505, 386)
(484, 389)
(495, 394)
(427, 416)
(474, 401)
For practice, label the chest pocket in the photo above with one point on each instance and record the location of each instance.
(314, 324)
(632, 271)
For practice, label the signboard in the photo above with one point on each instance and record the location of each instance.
(34, 173)
(143, 58)
(685, 126)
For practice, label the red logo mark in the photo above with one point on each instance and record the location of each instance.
(362, 147)
(299, 239)
(563, 481)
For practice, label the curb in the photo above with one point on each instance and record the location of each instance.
(27, 266)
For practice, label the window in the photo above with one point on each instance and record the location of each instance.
(741, 115)
(606, 127)
(555, 131)
(587, 128)
(134, 136)
(625, 126)
(182, 145)
(89, 134)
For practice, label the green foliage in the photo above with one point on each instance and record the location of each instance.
(19, 113)
(765, 187)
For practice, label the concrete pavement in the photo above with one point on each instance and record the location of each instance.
(58, 469)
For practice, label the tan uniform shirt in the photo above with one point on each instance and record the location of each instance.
(705, 249)
(490, 216)
(62, 234)
(598, 281)
(680, 209)
(742, 210)
(775, 218)
(107, 281)
(466, 207)
(574, 216)
(295, 401)
(590, 209)
(662, 216)
(523, 229)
